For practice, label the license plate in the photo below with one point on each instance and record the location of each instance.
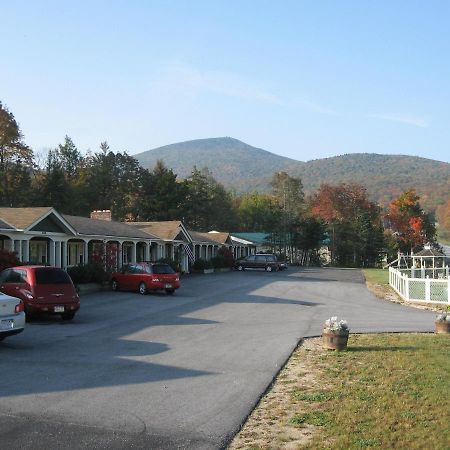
(7, 324)
(168, 286)
(59, 309)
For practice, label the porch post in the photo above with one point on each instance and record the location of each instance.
(64, 254)
(86, 253)
(120, 255)
(133, 252)
(20, 251)
(51, 256)
(58, 253)
(147, 256)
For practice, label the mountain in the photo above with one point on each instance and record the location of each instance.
(232, 162)
(245, 168)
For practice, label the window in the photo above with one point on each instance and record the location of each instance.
(250, 258)
(51, 276)
(75, 253)
(260, 258)
(162, 269)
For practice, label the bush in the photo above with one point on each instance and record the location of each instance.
(88, 273)
(174, 264)
(8, 259)
(227, 256)
(218, 262)
(202, 264)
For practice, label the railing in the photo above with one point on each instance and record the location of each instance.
(417, 286)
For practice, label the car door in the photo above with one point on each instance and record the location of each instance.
(124, 277)
(260, 262)
(249, 262)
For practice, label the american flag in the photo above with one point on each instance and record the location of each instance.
(189, 252)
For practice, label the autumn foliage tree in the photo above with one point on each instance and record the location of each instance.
(410, 225)
(353, 222)
(16, 161)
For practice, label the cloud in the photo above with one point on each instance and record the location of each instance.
(219, 82)
(402, 118)
(185, 79)
(315, 107)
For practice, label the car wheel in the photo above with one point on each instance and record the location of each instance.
(269, 269)
(114, 285)
(170, 291)
(29, 316)
(240, 268)
(142, 288)
(68, 316)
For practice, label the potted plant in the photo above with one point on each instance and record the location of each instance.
(335, 334)
(442, 323)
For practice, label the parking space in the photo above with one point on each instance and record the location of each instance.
(181, 371)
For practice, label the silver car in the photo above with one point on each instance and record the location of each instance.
(12, 316)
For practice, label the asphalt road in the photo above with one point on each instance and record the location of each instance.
(168, 372)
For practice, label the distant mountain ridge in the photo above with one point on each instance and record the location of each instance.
(245, 168)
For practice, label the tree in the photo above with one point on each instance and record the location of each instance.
(354, 223)
(409, 223)
(258, 212)
(161, 194)
(443, 215)
(288, 194)
(16, 161)
(206, 203)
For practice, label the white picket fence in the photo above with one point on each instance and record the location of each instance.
(417, 286)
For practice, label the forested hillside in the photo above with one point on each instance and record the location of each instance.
(245, 168)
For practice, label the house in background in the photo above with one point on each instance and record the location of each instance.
(44, 236)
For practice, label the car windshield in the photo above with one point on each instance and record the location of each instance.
(51, 276)
(162, 268)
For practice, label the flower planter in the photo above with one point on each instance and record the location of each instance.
(334, 340)
(442, 327)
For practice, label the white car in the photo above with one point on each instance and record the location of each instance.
(12, 316)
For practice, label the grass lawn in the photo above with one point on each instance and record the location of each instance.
(386, 391)
(377, 276)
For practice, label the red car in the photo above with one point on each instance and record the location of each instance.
(42, 290)
(144, 277)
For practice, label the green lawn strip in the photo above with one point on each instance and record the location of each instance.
(385, 391)
(378, 276)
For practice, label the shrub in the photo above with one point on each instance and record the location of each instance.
(88, 273)
(174, 264)
(227, 256)
(202, 264)
(218, 262)
(8, 259)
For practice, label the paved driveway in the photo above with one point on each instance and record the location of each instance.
(173, 372)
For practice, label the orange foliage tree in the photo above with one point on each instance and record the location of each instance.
(354, 223)
(443, 215)
(410, 225)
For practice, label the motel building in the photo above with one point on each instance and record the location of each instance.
(42, 235)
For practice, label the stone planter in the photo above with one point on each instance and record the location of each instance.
(442, 327)
(334, 340)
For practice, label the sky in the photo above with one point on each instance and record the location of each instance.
(303, 79)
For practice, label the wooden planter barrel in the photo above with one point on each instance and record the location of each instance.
(442, 327)
(334, 340)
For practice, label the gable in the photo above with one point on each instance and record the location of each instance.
(51, 224)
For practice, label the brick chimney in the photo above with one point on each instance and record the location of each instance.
(102, 214)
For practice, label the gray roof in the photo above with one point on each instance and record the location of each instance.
(5, 226)
(429, 252)
(203, 237)
(96, 227)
